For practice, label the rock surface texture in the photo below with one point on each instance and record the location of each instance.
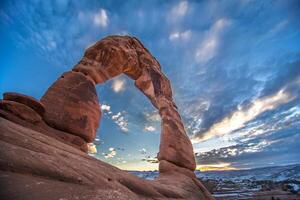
(44, 143)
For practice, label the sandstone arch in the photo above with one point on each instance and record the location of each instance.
(78, 112)
(40, 138)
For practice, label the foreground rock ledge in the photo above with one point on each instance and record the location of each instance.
(43, 144)
(36, 166)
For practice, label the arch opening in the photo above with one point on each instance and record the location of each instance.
(129, 130)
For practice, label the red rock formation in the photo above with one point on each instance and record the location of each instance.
(72, 105)
(114, 55)
(53, 169)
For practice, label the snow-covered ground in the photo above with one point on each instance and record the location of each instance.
(278, 173)
(245, 184)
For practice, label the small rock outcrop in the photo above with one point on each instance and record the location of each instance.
(44, 143)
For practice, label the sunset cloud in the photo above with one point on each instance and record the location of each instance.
(240, 117)
(216, 167)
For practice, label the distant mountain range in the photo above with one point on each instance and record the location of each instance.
(275, 173)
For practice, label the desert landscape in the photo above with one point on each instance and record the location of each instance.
(133, 100)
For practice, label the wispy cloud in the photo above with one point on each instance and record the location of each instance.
(143, 151)
(152, 116)
(209, 46)
(118, 117)
(101, 18)
(180, 36)
(179, 11)
(238, 118)
(120, 121)
(149, 128)
(111, 153)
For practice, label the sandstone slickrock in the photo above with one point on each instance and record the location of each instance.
(22, 111)
(26, 100)
(37, 139)
(26, 117)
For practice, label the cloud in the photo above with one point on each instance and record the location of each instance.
(92, 148)
(279, 26)
(118, 118)
(149, 128)
(112, 153)
(118, 85)
(143, 151)
(240, 117)
(100, 18)
(209, 46)
(216, 167)
(254, 153)
(120, 121)
(179, 10)
(176, 36)
(150, 159)
(152, 116)
(105, 107)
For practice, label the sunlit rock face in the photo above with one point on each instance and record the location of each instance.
(44, 143)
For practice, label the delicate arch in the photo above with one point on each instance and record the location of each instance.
(76, 109)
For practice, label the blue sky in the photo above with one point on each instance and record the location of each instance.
(234, 68)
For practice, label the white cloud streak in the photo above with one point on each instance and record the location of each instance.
(178, 11)
(150, 128)
(118, 118)
(176, 36)
(120, 121)
(209, 46)
(239, 118)
(100, 18)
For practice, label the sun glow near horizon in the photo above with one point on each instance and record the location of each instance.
(216, 167)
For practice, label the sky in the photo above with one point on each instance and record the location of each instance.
(234, 67)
